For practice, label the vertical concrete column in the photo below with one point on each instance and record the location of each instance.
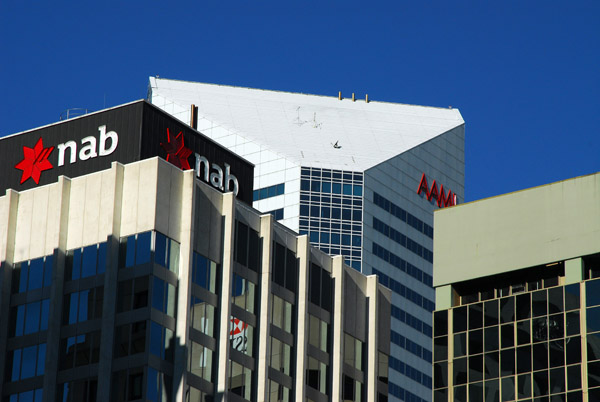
(303, 254)
(266, 230)
(372, 362)
(583, 332)
(337, 360)
(56, 291)
(574, 271)
(184, 285)
(228, 212)
(110, 287)
(7, 253)
(443, 297)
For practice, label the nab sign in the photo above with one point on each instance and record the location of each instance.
(442, 199)
(124, 134)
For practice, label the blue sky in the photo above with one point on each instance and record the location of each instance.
(524, 74)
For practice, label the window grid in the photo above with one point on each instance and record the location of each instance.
(331, 204)
(524, 346)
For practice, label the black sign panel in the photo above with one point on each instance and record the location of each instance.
(125, 134)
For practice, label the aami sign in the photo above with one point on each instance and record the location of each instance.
(443, 199)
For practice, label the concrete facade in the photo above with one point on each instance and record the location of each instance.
(204, 310)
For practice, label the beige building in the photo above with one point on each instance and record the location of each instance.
(517, 281)
(142, 282)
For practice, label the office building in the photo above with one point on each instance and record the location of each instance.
(143, 281)
(360, 178)
(517, 281)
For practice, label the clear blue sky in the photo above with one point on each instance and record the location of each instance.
(524, 74)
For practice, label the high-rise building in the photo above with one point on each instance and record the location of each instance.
(517, 281)
(360, 178)
(136, 280)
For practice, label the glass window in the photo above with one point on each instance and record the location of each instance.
(281, 314)
(27, 362)
(200, 359)
(243, 293)
(34, 274)
(318, 333)
(281, 356)
(202, 316)
(130, 339)
(82, 306)
(161, 341)
(240, 380)
(316, 375)
(353, 352)
(142, 251)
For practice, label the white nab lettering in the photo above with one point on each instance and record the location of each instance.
(216, 178)
(90, 147)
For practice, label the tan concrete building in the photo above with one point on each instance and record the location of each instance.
(517, 280)
(143, 282)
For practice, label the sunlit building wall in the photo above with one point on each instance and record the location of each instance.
(517, 281)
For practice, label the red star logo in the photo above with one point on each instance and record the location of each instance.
(177, 153)
(34, 162)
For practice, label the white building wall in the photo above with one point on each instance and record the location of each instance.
(397, 179)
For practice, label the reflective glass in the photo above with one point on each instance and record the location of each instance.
(508, 389)
(142, 254)
(573, 350)
(572, 323)
(572, 297)
(491, 341)
(44, 314)
(491, 313)
(84, 305)
(524, 386)
(476, 316)
(156, 342)
(592, 293)
(158, 294)
(160, 249)
(507, 362)
(32, 318)
(574, 377)
(540, 356)
(48, 271)
(101, 266)
(36, 273)
(539, 303)
(593, 319)
(492, 365)
(28, 363)
(555, 300)
(88, 265)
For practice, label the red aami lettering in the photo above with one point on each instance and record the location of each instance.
(440, 196)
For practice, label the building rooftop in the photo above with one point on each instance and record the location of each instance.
(304, 128)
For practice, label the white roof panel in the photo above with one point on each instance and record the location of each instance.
(303, 128)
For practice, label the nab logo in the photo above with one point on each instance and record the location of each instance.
(178, 154)
(35, 160)
(442, 199)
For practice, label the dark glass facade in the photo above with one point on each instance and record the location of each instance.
(530, 340)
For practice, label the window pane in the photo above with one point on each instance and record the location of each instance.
(88, 266)
(142, 254)
(158, 294)
(160, 249)
(32, 318)
(48, 271)
(36, 273)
